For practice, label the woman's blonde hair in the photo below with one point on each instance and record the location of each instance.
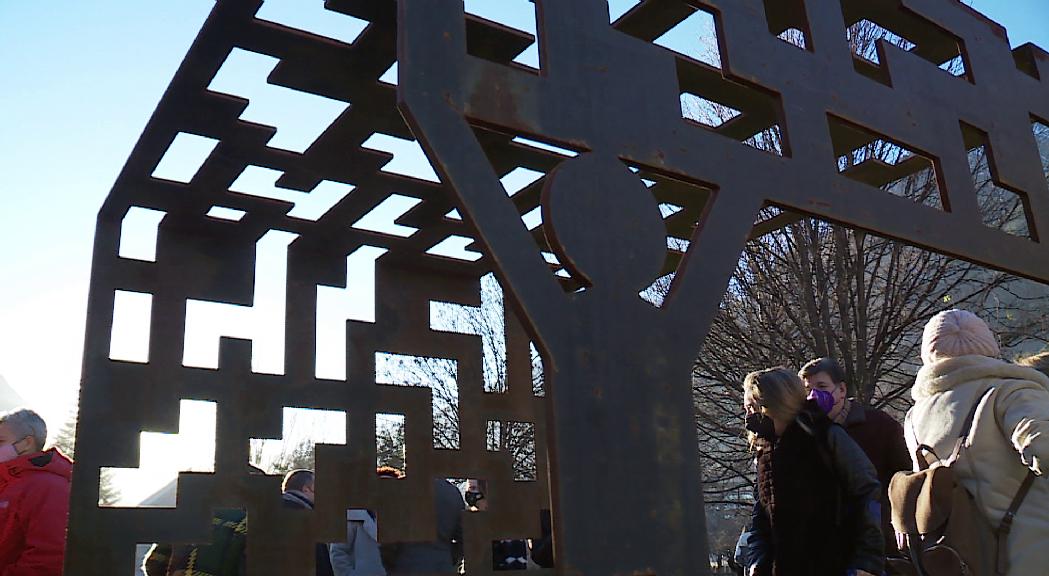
(778, 390)
(1039, 362)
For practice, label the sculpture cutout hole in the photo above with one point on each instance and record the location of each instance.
(503, 32)
(618, 8)
(184, 157)
(262, 322)
(548, 147)
(301, 430)
(1041, 136)
(1026, 59)
(389, 443)
(335, 305)
(517, 439)
(437, 374)
(309, 205)
(455, 247)
(788, 21)
(877, 160)
(475, 494)
(138, 234)
(229, 527)
(383, 218)
(706, 112)
(486, 321)
(390, 75)
(794, 37)
(1000, 208)
(224, 213)
(869, 35)
(299, 117)
(162, 456)
(694, 36)
(707, 97)
(129, 339)
(408, 156)
(523, 180)
(863, 37)
(681, 206)
(520, 178)
(313, 18)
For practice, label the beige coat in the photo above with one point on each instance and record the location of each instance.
(1010, 435)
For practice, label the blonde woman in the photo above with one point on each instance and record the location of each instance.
(818, 511)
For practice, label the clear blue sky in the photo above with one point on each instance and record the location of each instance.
(80, 81)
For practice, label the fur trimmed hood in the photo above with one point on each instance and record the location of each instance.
(947, 374)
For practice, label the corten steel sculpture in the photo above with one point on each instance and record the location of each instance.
(617, 421)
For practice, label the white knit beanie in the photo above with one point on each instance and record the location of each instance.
(953, 333)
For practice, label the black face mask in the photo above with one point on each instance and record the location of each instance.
(472, 498)
(761, 425)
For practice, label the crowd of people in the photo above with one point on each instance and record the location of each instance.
(824, 465)
(360, 554)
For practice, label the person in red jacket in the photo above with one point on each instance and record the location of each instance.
(34, 498)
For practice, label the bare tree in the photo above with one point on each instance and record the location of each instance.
(439, 375)
(812, 288)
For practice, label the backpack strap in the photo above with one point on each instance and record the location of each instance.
(1007, 522)
(921, 456)
(963, 436)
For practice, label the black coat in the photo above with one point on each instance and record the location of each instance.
(293, 500)
(818, 497)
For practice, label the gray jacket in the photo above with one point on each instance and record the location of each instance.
(359, 555)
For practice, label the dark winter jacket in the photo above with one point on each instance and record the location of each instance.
(881, 438)
(224, 556)
(297, 500)
(441, 555)
(818, 496)
(34, 507)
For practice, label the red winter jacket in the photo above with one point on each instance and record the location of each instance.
(34, 504)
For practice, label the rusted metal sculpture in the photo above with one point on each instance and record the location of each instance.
(617, 420)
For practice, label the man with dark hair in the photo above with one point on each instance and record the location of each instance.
(878, 434)
(34, 497)
(298, 493)
(299, 482)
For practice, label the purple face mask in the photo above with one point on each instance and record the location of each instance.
(824, 399)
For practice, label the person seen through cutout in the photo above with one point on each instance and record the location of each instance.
(298, 494)
(359, 555)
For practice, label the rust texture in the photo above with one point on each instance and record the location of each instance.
(614, 434)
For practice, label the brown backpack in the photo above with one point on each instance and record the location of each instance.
(940, 528)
